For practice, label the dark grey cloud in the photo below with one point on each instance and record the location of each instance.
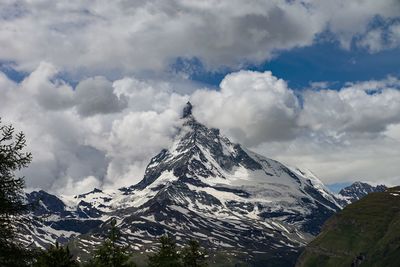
(96, 96)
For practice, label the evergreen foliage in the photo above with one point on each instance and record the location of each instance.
(12, 159)
(167, 254)
(56, 256)
(193, 255)
(110, 254)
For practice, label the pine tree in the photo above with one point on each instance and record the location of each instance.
(12, 159)
(110, 254)
(193, 255)
(167, 255)
(56, 256)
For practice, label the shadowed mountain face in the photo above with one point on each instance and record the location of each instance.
(365, 233)
(208, 188)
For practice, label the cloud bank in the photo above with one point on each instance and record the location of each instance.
(123, 37)
(102, 133)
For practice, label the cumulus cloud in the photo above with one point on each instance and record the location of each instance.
(112, 37)
(348, 20)
(252, 107)
(49, 94)
(100, 129)
(351, 111)
(340, 160)
(342, 135)
(96, 96)
(347, 134)
(137, 137)
(67, 185)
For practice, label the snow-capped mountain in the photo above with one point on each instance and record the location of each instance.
(208, 188)
(356, 191)
(53, 220)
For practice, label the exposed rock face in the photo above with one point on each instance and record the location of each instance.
(187, 110)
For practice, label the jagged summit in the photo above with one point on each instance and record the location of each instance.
(201, 160)
(187, 110)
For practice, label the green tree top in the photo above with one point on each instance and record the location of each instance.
(166, 255)
(12, 159)
(110, 254)
(193, 255)
(56, 256)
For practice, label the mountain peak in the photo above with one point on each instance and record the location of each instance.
(205, 181)
(358, 190)
(187, 110)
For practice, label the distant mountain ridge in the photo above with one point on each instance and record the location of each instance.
(356, 191)
(203, 187)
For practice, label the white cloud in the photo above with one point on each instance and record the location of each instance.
(346, 135)
(252, 107)
(347, 20)
(68, 186)
(346, 160)
(134, 120)
(114, 37)
(373, 40)
(341, 135)
(363, 108)
(379, 39)
(135, 138)
(49, 94)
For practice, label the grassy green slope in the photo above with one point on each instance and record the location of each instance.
(368, 229)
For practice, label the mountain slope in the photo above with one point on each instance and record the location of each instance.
(208, 188)
(52, 220)
(365, 233)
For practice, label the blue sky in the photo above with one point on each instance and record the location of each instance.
(336, 187)
(15, 75)
(321, 62)
(328, 62)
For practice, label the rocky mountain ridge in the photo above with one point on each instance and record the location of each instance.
(357, 191)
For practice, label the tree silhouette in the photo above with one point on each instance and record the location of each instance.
(110, 254)
(166, 255)
(12, 159)
(193, 255)
(56, 256)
